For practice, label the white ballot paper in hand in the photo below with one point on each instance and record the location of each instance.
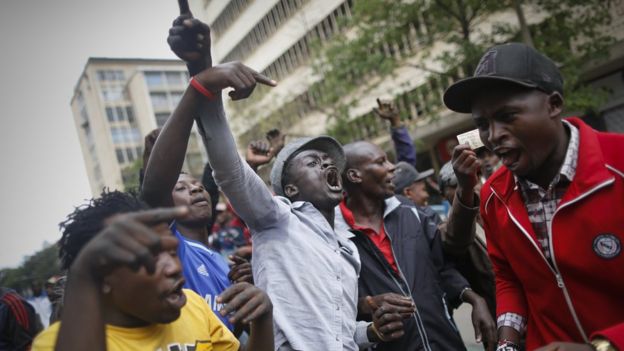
(471, 138)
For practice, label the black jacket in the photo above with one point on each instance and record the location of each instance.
(424, 274)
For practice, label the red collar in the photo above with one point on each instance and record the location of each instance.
(347, 214)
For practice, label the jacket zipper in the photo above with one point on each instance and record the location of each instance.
(555, 269)
(416, 314)
(560, 281)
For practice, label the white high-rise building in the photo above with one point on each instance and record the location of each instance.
(116, 103)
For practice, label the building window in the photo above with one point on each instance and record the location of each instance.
(266, 27)
(130, 154)
(159, 101)
(121, 135)
(175, 98)
(229, 14)
(110, 76)
(112, 94)
(174, 78)
(154, 79)
(120, 156)
(161, 118)
(130, 114)
(132, 135)
(298, 54)
(110, 114)
(117, 134)
(120, 113)
(136, 134)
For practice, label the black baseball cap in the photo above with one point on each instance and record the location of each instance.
(507, 64)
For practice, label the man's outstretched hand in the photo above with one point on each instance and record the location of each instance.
(233, 75)
(387, 110)
(189, 39)
(258, 153)
(277, 140)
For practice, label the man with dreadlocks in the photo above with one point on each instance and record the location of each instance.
(124, 290)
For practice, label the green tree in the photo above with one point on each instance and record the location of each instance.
(381, 35)
(574, 35)
(130, 175)
(35, 269)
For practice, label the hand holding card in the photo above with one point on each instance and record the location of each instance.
(471, 138)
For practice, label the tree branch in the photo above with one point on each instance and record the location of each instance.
(426, 69)
(448, 9)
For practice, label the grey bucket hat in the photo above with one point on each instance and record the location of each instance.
(406, 175)
(447, 176)
(326, 144)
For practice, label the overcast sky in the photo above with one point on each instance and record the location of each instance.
(44, 46)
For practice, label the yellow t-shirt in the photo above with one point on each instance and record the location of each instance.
(198, 328)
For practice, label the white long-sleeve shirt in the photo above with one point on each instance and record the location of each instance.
(309, 270)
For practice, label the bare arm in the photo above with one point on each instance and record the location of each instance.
(189, 38)
(167, 158)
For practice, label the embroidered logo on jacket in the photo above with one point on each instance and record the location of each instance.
(607, 246)
(203, 271)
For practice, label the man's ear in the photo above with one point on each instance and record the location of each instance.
(406, 191)
(291, 191)
(353, 175)
(555, 104)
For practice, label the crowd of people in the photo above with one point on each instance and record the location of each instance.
(343, 251)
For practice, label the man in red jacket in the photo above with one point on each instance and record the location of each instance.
(554, 215)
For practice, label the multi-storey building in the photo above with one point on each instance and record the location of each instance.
(278, 37)
(116, 103)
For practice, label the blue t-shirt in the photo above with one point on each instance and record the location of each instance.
(205, 271)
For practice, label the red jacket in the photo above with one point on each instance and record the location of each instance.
(584, 295)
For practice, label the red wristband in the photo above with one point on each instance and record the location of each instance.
(200, 88)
